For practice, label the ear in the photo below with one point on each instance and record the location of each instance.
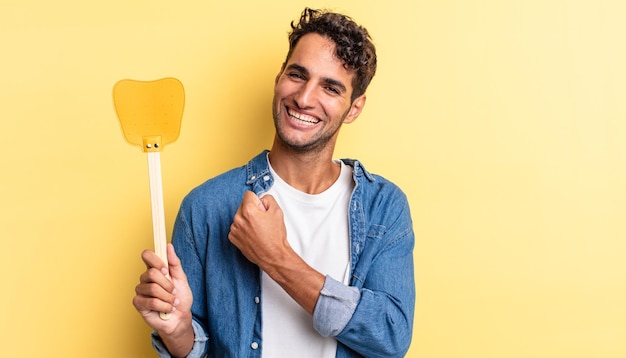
(355, 109)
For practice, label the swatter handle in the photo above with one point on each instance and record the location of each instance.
(158, 211)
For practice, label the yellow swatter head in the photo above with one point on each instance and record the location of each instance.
(150, 112)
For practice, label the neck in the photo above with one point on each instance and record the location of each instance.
(311, 173)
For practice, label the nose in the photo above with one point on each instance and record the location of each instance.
(305, 96)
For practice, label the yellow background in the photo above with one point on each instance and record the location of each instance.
(504, 121)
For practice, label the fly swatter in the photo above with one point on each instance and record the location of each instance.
(150, 113)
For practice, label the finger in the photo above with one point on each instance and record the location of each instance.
(272, 205)
(153, 290)
(154, 284)
(154, 275)
(146, 305)
(175, 266)
(151, 259)
(260, 203)
(268, 201)
(250, 198)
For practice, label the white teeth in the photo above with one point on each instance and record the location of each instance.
(302, 117)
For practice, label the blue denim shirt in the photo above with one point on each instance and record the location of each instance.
(371, 317)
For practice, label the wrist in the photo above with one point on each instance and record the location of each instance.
(176, 329)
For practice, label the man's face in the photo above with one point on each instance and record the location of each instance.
(312, 96)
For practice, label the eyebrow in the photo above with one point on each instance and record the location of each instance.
(327, 80)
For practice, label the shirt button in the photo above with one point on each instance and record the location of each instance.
(253, 177)
(266, 178)
(254, 345)
(257, 300)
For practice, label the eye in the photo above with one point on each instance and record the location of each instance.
(333, 90)
(295, 75)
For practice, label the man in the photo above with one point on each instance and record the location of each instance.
(294, 254)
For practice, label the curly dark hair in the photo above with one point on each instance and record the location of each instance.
(353, 43)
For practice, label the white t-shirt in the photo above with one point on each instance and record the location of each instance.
(317, 229)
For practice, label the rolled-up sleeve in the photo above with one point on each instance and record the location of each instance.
(335, 307)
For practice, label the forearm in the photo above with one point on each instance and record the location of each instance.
(297, 278)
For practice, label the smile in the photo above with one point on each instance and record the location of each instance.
(302, 118)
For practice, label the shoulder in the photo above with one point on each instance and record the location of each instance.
(221, 189)
(223, 182)
(374, 184)
(379, 199)
(227, 187)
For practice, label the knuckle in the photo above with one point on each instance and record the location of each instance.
(152, 274)
(136, 301)
(153, 290)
